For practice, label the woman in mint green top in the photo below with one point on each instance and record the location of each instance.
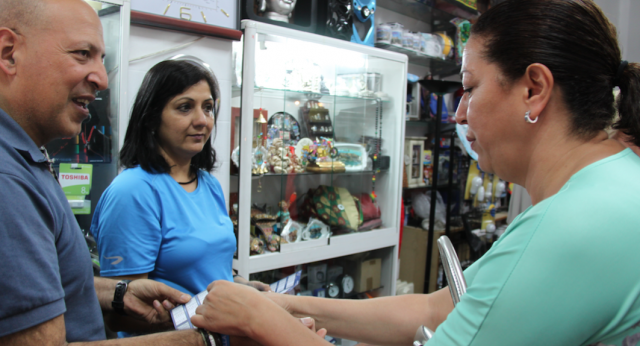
(538, 77)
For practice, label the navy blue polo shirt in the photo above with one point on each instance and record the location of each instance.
(45, 265)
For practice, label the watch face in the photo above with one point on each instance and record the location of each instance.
(347, 284)
(333, 291)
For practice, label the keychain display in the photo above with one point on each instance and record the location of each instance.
(284, 126)
(316, 120)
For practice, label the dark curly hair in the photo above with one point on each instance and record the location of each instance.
(162, 83)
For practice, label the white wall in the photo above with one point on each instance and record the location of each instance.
(216, 52)
(623, 14)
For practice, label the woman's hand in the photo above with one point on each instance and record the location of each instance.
(311, 324)
(239, 310)
(260, 286)
(232, 309)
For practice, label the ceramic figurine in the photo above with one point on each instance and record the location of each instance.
(279, 10)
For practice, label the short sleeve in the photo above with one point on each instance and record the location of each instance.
(126, 226)
(31, 288)
(534, 287)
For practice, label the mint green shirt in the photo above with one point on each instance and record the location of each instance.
(566, 272)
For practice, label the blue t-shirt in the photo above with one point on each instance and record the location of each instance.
(565, 272)
(148, 223)
(46, 268)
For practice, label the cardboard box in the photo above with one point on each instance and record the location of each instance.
(366, 274)
(413, 258)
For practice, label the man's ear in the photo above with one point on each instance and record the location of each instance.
(8, 44)
(539, 82)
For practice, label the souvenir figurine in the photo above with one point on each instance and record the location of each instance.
(273, 242)
(283, 215)
(281, 160)
(256, 246)
(279, 10)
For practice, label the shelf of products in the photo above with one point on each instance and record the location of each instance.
(302, 95)
(443, 10)
(317, 132)
(336, 246)
(449, 26)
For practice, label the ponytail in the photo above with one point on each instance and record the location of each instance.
(628, 103)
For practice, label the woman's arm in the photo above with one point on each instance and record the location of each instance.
(260, 286)
(237, 310)
(380, 321)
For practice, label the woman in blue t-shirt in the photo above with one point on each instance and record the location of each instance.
(164, 216)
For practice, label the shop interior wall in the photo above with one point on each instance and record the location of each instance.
(216, 52)
(624, 15)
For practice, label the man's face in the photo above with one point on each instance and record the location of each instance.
(59, 70)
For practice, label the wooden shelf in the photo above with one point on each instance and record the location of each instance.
(156, 21)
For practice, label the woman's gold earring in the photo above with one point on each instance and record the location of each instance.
(528, 119)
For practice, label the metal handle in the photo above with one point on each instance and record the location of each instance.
(452, 269)
(455, 278)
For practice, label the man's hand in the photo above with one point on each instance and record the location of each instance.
(143, 301)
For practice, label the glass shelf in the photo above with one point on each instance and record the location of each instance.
(297, 95)
(269, 175)
(441, 185)
(438, 66)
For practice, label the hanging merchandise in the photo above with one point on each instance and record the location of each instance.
(447, 44)
(378, 134)
(340, 19)
(433, 108)
(363, 28)
(93, 144)
(463, 31)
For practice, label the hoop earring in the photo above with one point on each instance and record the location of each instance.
(528, 119)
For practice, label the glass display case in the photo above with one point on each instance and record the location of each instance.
(317, 134)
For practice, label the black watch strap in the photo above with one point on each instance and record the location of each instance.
(118, 296)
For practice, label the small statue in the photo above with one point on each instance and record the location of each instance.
(283, 215)
(281, 159)
(256, 246)
(279, 10)
(273, 242)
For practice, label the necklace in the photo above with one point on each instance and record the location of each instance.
(189, 182)
(377, 141)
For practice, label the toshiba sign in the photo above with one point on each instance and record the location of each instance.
(71, 179)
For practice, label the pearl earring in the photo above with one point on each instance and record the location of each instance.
(528, 119)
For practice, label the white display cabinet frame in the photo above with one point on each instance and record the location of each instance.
(388, 184)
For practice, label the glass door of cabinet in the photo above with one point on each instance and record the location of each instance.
(321, 135)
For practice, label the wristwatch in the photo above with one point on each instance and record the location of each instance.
(118, 296)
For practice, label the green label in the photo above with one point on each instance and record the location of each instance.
(75, 178)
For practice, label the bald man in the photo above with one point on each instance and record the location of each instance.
(51, 54)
